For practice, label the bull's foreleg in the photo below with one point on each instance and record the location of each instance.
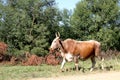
(93, 63)
(63, 63)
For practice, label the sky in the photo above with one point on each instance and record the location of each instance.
(68, 4)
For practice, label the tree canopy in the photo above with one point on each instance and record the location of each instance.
(99, 20)
(30, 25)
(27, 24)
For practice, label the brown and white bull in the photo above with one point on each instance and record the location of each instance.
(72, 50)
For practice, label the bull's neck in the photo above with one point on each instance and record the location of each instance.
(62, 48)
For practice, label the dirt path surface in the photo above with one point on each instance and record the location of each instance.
(92, 76)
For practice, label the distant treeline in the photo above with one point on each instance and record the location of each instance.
(30, 25)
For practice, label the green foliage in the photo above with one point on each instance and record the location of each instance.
(65, 28)
(108, 37)
(99, 20)
(27, 25)
(30, 25)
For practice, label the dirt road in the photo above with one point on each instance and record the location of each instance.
(93, 76)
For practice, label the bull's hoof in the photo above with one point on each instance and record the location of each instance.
(76, 69)
(66, 70)
(91, 69)
(62, 70)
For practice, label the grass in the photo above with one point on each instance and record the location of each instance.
(19, 72)
(25, 72)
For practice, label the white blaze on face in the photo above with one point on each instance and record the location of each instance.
(53, 45)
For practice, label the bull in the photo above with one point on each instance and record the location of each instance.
(71, 49)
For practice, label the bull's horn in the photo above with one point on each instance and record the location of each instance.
(57, 34)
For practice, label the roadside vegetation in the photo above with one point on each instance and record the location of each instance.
(18, 72)
(30, 26)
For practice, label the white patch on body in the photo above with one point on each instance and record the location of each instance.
(66, 56)
(69, 56)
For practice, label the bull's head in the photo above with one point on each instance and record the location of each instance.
(55, 44)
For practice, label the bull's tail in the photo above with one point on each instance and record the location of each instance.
(99, 54)
(97, 49)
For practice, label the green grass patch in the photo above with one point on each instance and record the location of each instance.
(26, 72)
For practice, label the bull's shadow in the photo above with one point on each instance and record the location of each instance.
(82, 69)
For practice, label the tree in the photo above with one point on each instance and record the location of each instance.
(27, 25)
(97, 19)
(65, 27)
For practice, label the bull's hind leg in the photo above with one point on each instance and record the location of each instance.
(93, 63)
(102, 63)
(76, 62)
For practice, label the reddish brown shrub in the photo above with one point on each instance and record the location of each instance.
(33, 60)
(51, 59)
(1, 57)
(57, 54)
(3, 48)
(14, 60)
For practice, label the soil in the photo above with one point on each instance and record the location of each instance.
(112, 75)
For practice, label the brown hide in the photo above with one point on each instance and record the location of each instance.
(84, 49)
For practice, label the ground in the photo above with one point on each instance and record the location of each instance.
(112, 75)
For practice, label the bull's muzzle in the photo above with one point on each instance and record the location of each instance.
(51, 50)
